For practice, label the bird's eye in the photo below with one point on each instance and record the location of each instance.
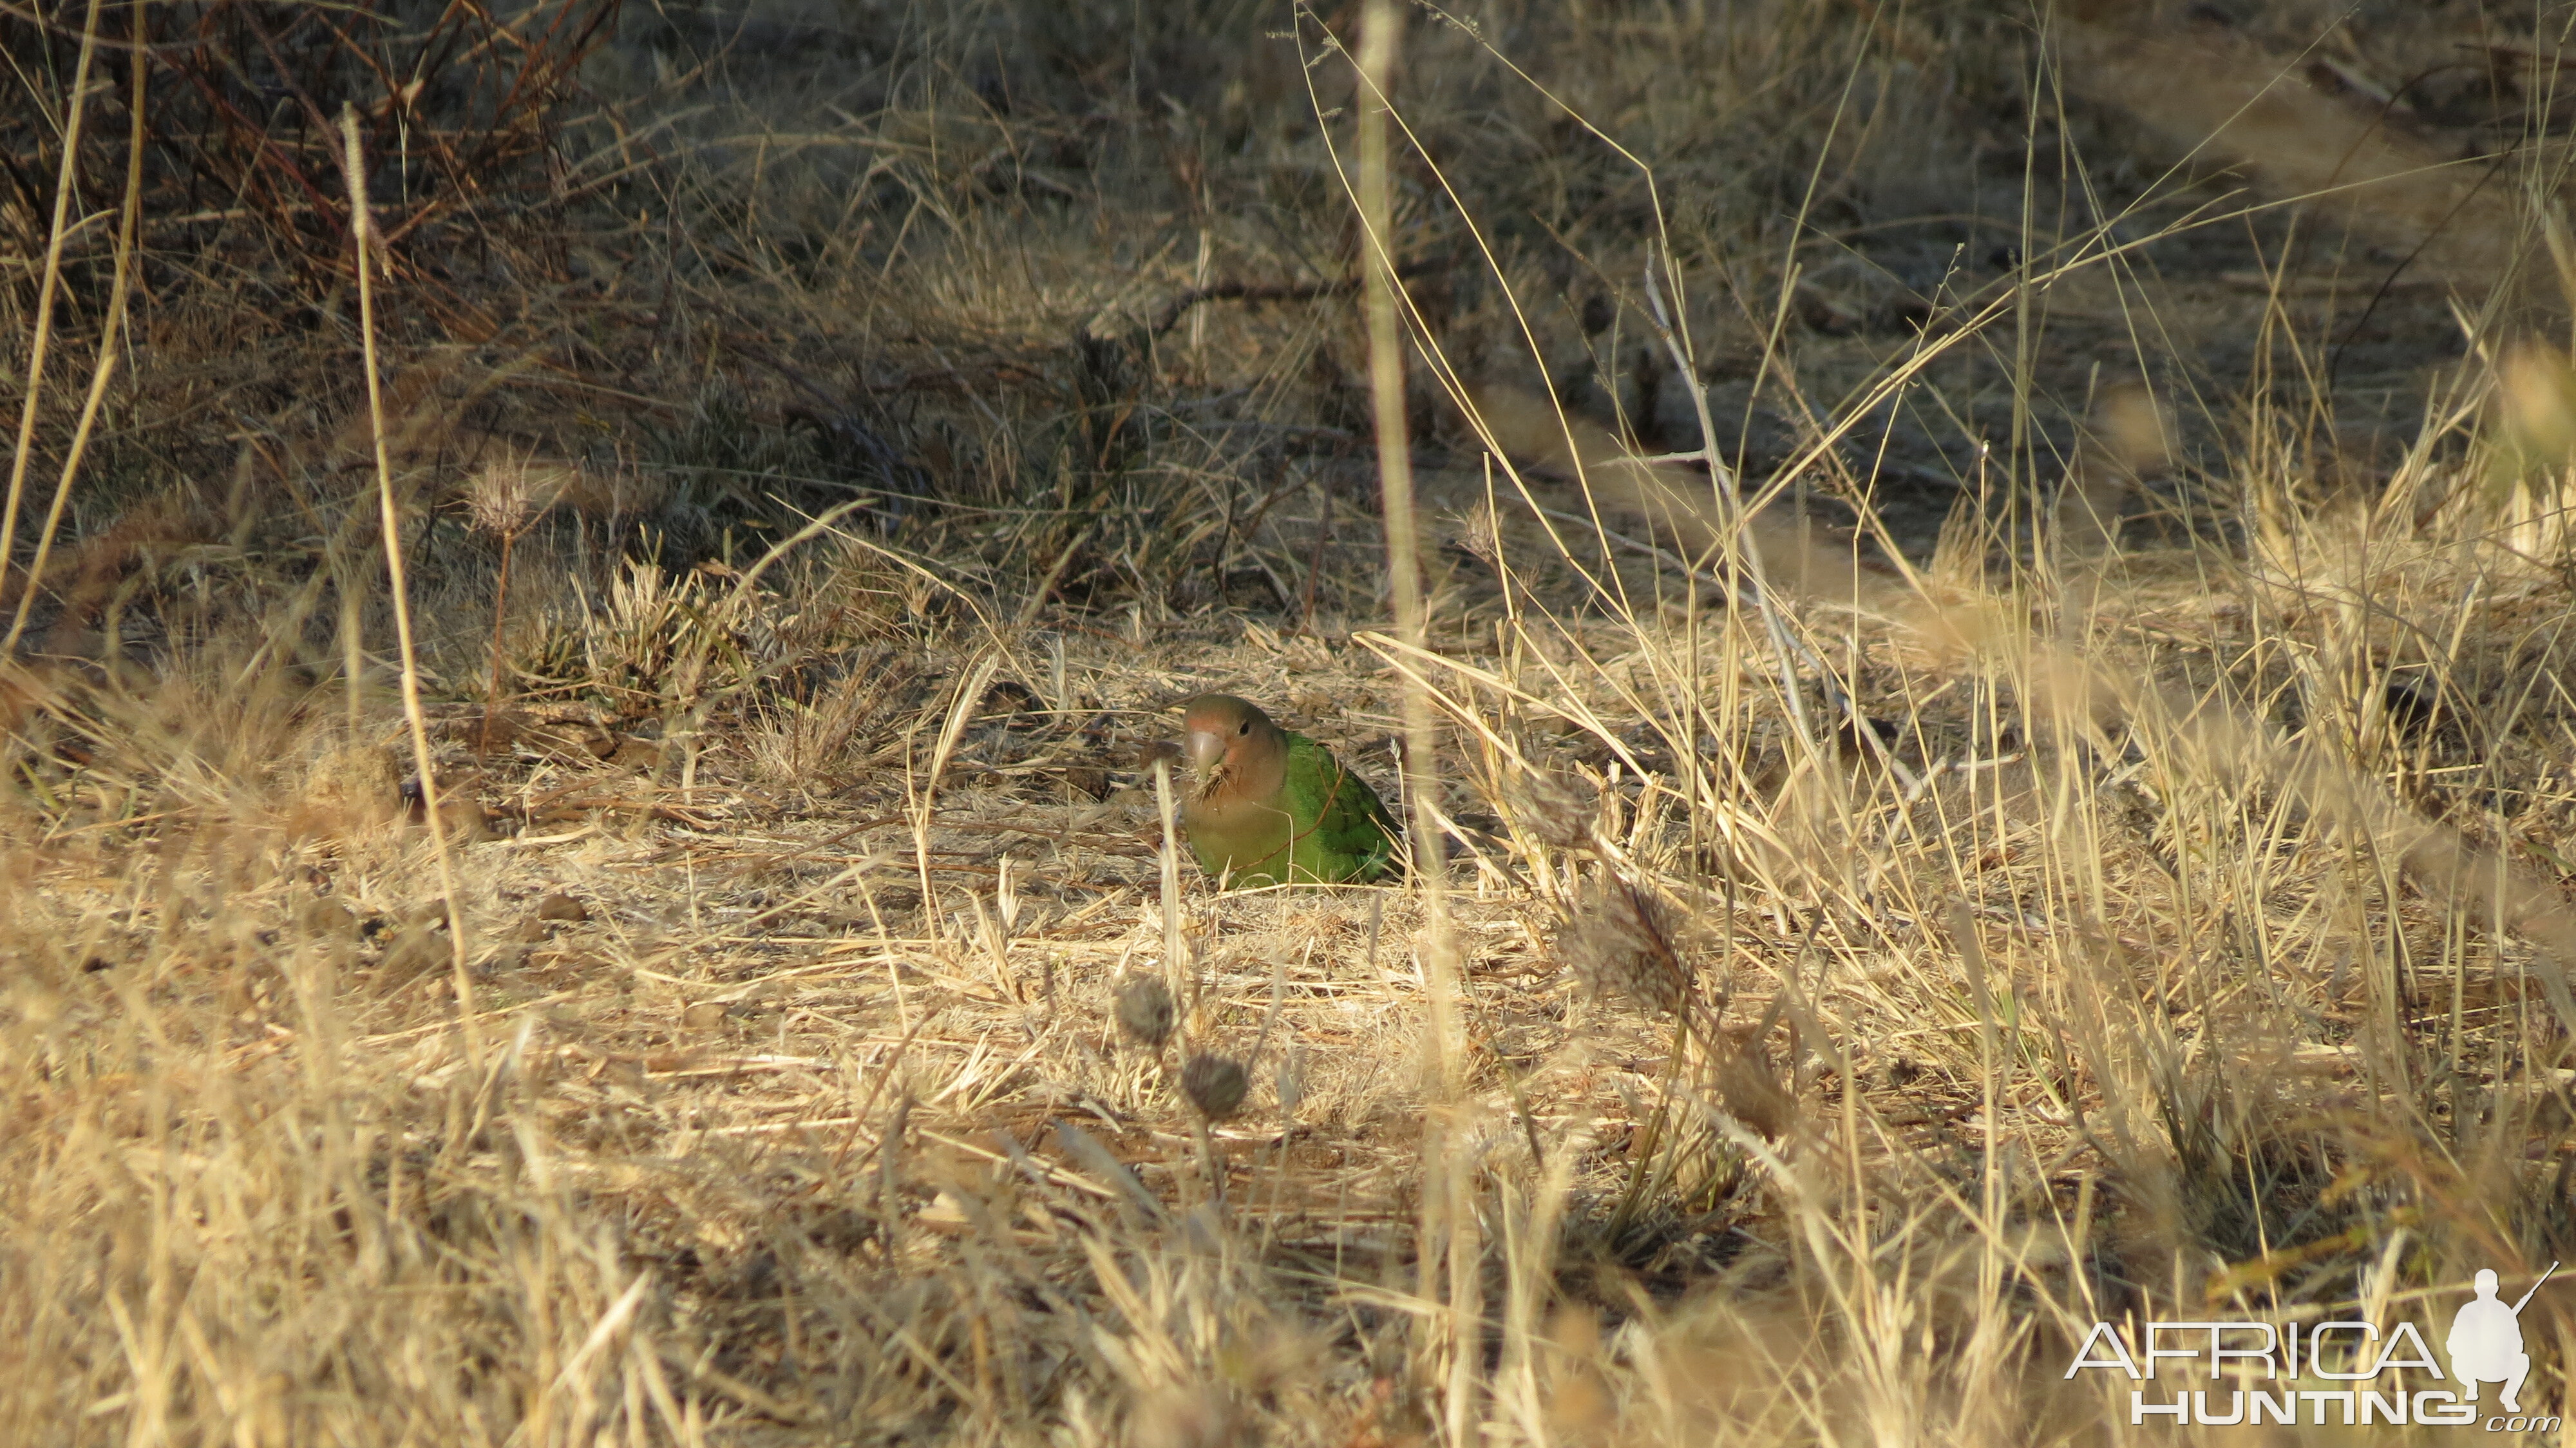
(1243, 728)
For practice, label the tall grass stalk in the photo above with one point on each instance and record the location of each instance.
(1450, 1246)
(389, 517)
(112, 337)
(48, 284)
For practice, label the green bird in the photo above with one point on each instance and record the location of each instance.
(1264, 806)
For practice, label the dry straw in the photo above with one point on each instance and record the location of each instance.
(40, 337)
(501, 505)
(110, 342)
(390, 518)
(1623, 942)
(2152, 963)
(1450, 1246)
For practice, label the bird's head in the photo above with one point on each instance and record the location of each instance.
(1228, 737)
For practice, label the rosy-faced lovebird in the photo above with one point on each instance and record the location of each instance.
(1265, 807)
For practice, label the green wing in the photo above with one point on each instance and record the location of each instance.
(1342, 832)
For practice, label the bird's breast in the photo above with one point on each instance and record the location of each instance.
(1235, 824)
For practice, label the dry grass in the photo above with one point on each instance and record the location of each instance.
(2074, 834)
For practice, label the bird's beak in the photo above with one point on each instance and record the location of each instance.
(1207, 756)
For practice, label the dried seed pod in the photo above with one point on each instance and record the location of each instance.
(1214, 1084)
(1750, 1087)
(1479, 534)
(1621, 940)
(1556, 810)
(1145, 1012)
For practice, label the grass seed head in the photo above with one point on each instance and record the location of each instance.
(1555, 809)
(1478, 533)
(1621, 940)
(1145, 1012)
(497, 503)
(1215, 1085)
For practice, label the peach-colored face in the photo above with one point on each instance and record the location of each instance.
(1218, 725)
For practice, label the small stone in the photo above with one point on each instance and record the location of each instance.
(704, 1016)
(327, 919)
(416, 952)
(562, 907)
(466, 821)
(494, 732)
(358, 783)
(945, 1213)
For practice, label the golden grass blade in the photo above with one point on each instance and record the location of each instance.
(1449, 1244)
(389, 517)
(48, 282)
(111, 337)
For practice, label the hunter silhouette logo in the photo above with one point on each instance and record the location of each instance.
(2486, 1342)
(2348, 1373)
